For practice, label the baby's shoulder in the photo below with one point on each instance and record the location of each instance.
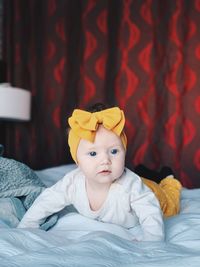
(72, 176)
(129, 180)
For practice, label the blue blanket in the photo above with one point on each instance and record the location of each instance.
(19, 187)
(73, 242)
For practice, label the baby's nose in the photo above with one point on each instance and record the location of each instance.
(105, 159)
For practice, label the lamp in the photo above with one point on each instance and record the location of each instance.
(15, 104)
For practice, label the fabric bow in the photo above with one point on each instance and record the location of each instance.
(84, 125)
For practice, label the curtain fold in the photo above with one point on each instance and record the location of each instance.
(141, 55)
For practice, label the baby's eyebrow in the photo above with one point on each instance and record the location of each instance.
(92, 148)
(116, 145)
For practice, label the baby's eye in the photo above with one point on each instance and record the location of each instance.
(114, 151)
(92, 153)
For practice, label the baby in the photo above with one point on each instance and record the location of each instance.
(101, 187)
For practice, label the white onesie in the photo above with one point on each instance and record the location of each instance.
(129, 203)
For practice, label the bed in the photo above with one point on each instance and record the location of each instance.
(77, 241)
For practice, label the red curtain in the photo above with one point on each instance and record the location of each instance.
(143, 56)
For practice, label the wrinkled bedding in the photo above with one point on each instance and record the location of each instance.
(78, 241)
(19, 187)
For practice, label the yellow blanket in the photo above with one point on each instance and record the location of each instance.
(168, 193)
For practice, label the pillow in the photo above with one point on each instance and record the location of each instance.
(51, 175)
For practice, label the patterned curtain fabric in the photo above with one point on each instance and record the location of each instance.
(143, 56)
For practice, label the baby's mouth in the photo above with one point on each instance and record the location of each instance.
(105, 172)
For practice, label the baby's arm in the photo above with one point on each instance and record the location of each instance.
(51, 200)
(147, 208)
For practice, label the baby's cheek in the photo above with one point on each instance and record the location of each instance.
(88, 168)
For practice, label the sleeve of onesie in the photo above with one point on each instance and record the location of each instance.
(50, 201)
(147, 208)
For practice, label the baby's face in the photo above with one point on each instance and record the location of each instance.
(102, 162)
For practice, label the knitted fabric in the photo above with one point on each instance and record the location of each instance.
(18, 180)
(19, 184)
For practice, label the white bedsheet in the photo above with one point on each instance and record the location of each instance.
(78, 241)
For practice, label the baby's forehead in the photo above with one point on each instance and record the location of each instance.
(86, 145)
(103, 137)
(102, 133)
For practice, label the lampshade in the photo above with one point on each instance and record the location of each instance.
(15, 103)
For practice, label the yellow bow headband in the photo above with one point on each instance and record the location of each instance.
(85, 124)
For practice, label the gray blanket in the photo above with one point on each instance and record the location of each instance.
(19, 187)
